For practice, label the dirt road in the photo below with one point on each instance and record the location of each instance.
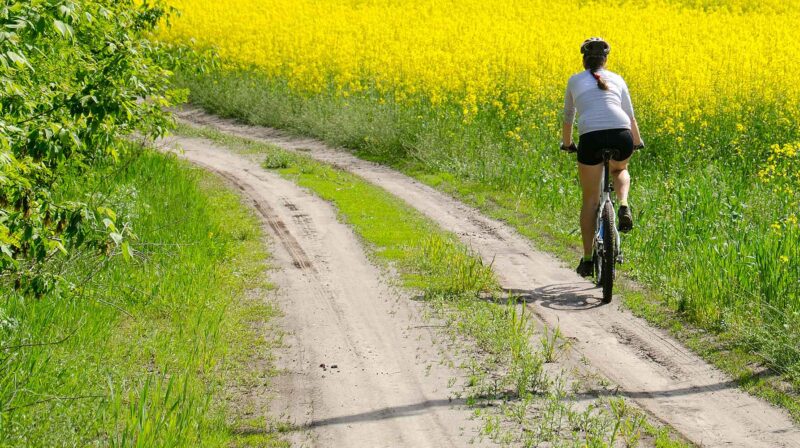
(652, 368)
(361, 368)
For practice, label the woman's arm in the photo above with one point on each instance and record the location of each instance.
(637, 139)
(627, 106)
(566, 138)
(569, 117)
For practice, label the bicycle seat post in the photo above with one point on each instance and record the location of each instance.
(608, 186)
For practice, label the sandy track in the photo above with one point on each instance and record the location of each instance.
(652, 368)
(360, 365)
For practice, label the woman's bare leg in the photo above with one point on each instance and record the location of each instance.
(622, 179)
(590, 176)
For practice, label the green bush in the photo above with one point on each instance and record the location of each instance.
(75, 77)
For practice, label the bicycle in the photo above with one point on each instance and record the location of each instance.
(606, 251)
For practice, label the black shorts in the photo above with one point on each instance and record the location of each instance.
(592, 144)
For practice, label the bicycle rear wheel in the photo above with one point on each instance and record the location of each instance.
(608, 261)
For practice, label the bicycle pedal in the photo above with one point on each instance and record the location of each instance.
(620, 259)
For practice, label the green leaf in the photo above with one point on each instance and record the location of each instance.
(108, 212)
(109, 224)
(127, 252)
(63, 28)
(61, 248)
(18, 25)
(17, 58)
(116, 237)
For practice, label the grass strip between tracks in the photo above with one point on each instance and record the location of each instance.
(150, 351)
(507, 367)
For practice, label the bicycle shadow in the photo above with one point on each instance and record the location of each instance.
(559, 296)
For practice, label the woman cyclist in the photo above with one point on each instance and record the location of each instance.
(605, 121)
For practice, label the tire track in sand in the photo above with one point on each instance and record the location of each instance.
(357, 369)
(651, 367)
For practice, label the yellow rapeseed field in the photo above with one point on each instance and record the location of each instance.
(696, 67)
(681, 58)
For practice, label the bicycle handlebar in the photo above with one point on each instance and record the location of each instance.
(572, 148)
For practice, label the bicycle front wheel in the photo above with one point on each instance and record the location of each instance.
(609, 254)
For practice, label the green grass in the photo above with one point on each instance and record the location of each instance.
(704, 246)
(142, 352)
(510, 370)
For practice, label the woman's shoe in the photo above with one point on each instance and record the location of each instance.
(625, 219)
(585, 268)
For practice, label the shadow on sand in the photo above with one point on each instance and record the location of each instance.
(559, 296)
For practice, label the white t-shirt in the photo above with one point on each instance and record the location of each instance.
(598, 109)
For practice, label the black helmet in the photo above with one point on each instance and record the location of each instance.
(595, 46)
